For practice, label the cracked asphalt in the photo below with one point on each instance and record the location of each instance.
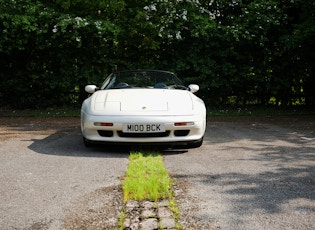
(249, 174)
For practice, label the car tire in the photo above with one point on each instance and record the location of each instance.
(87, 143)
(196, 144)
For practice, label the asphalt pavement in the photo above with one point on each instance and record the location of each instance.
(247, 175)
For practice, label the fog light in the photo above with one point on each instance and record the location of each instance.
(183, 123)
(103, 124)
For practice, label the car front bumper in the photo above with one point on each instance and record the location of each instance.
(190, 133)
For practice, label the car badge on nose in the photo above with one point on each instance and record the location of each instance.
(144, 107)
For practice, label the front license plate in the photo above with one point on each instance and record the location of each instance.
(143, 128)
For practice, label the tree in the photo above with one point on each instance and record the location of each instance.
(240, 52)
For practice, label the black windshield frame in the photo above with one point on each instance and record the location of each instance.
(142, 79)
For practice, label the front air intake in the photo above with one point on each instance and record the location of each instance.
(181, 133)
(105, 133)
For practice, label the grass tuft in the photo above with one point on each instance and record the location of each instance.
(146, 178)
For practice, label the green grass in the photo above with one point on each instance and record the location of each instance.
(146, 178)
(121, 220)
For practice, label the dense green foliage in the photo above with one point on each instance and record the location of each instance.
(240, 52)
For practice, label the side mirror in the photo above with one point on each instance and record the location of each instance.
(193, 88)
(90, 88)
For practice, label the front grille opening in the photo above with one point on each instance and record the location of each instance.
(181, 133)
(105, 133)
(144, 135)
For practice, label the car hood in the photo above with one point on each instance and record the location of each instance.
(142, 101)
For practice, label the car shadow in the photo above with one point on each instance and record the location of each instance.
(69, 142)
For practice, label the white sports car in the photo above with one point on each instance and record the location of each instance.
(143, 107)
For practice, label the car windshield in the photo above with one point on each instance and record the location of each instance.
(143, 79)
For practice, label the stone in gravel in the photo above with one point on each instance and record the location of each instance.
(149, 224)
(148, 204)
(134, 226)
(131, 204)
(164, 203)
(135, 219)
(127, 223)
(147, 213)
(167, 222)
(164, 212)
